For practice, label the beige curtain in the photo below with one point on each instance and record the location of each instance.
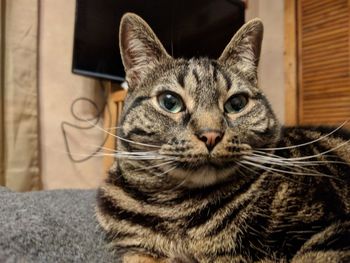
(2, 135)
(20, 167)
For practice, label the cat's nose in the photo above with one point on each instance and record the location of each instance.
(210, 137)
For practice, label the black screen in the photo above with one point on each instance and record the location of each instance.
(187, 28)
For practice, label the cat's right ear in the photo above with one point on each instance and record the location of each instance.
(243, 51)
(140, 48)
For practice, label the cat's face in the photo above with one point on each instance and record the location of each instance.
(201, 115)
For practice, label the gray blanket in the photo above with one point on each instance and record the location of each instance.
(50, 226)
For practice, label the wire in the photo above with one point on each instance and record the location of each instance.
(96, 120)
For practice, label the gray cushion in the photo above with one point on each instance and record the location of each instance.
(50, 226)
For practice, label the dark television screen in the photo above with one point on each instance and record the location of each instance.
(187, 28)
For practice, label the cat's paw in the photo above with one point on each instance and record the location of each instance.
(323, 257)
(140, 258)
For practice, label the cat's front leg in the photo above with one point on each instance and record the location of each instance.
(239, 259)
(323, 257)
(234, 259)
(141, 258)
(332, 245)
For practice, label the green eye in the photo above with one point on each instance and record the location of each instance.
(171, 102)
(236, 103)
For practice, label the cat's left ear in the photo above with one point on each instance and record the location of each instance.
(243, 51)
(140, 48)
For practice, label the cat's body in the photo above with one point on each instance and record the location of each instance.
(206, 173)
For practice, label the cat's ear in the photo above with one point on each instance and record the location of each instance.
(140, 48)
(243, 51)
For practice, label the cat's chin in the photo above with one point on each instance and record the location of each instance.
(202, 176)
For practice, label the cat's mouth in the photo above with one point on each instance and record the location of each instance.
(204, 171)
(217, 161)
(194, 176)
(198, 167)
(206, 163)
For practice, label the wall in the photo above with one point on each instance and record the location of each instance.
(271, 68)
(58, 87)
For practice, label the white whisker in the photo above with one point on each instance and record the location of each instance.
(321, 153)
(282, 175)
(245, 167)
(283, 158)
(154, 166)
(180, 184)
(167, 171)
(283, 171)
(113, 128)
(281, 163)
(110, 150)
(307, 143)
(292, 161)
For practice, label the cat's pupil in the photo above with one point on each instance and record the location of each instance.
(170, 102)
(236, 103)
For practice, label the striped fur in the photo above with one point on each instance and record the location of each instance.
(264, 193)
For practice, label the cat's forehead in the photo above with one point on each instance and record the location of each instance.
(206, 80)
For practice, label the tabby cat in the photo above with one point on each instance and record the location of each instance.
(204, 171)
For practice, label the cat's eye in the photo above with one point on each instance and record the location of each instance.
(236, 103)
(171, 102)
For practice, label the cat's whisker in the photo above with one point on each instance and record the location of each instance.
(154, 166)
(277, 158)
(110, 150)
(133, 157)
(113, 128)
(119, 155)
(147, 155)
(131, 153)
(256, 173)
(321, 153)
(261, 164)
(152, 155)
(227, 124)
(176, 187)
(245, 167)
(266, 168)
(180, 184)
(307, 143)
(281, 163)
(283, 158)
(138, 155)
(167, 171)
(302, 163)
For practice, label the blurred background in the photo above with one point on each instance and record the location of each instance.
(60, 88)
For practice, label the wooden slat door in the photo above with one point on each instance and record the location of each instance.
(323, 61)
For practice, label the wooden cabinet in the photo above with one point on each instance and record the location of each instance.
(317, 61)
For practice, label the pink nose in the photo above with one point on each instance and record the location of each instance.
(210, 138)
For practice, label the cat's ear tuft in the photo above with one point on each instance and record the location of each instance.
(243, 51)
(139, 47)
